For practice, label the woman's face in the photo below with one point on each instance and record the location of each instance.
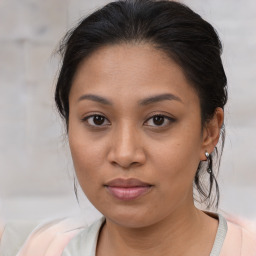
(114, 134)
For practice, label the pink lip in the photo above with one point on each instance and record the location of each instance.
(127, 189)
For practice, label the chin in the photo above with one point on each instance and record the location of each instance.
(132, 218)
(131, 222)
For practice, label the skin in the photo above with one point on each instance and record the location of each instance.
(130, 144)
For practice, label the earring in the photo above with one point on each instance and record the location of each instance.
(209, 160)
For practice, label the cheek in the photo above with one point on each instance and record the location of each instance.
(87, 166)
(180, 151)
(177, 160)
(87, 158)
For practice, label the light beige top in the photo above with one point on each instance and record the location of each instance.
(71, 237)
(78, 247)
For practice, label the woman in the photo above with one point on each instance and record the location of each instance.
(142, 91)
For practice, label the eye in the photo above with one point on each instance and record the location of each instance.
(95, 120)
(160, 120)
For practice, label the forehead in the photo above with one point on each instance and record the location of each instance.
(130, 70)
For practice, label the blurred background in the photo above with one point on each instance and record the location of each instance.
(36, 171)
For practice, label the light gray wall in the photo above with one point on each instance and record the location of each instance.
(35, 166)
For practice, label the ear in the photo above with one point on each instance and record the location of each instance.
(211, 132)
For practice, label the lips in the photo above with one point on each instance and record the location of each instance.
(127, 189)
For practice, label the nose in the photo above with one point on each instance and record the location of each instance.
(126, 147)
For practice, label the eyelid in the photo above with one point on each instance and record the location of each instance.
(169, 118)
(85, 118)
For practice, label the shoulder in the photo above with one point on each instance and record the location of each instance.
(240, 238)
(40, 239)
(13, 235)
(85, 242)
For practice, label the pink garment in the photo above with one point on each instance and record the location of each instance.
(241, 237)
(51, 239)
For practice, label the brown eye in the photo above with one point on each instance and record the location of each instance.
(160, 120)
(94, 120)
(98, 120)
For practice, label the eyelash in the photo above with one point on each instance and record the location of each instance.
(170, 119)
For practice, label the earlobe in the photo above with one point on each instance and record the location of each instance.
(211, 132)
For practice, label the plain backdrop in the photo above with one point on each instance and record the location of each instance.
(36, 172)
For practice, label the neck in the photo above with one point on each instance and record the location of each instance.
(178, 234)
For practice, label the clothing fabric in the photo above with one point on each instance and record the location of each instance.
(72, 237)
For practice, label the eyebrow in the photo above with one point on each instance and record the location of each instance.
(143, 102)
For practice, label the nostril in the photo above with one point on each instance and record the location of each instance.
(126, 152)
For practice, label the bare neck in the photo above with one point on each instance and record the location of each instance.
(182, 233)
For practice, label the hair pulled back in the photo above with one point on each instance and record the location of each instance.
(168, 26)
